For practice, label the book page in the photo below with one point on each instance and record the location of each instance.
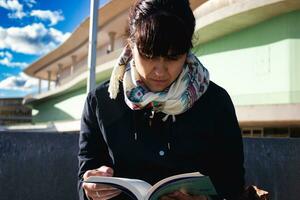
(175, 177)
(133, 187)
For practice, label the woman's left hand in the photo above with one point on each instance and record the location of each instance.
(182, 196)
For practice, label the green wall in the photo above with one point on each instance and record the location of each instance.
(259, 64)
(295, 69)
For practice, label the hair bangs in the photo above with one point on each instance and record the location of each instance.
(162, 35)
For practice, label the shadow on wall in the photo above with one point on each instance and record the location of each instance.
(48, 110)
(38, 166)
(51, 114)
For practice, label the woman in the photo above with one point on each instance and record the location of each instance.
(160, 115)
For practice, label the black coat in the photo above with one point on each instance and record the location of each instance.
(206, 138)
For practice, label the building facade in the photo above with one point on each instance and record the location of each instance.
(251, 49)
(12, 111)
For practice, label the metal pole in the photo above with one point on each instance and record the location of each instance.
(91, 81)
(49, 79)
(40, 85)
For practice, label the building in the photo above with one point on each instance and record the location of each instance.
(12, 112)
(249, 46)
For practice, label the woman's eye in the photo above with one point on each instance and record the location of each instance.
(172, 57)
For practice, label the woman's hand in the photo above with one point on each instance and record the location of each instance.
(182, 196)
(99, 191)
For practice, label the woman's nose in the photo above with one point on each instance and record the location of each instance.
(159, 67)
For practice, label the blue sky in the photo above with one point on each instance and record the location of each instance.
(28, 30)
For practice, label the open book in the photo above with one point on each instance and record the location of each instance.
(190, 183)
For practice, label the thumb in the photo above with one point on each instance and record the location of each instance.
(107, 171)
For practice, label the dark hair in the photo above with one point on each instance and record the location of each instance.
(161, 27)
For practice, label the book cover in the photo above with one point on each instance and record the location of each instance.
(190, 183)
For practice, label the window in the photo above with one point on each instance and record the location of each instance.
(295, 132)
(271, 132)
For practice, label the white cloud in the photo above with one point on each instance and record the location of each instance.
(15, 7)
(24, 83)
(18, 15)
(6, 59)
(17, 11)
(46, 15)
(19, 82)
(33, 39)
(30, 3)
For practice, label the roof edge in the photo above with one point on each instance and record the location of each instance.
(217, 18)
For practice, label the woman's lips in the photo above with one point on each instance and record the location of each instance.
(159, 80)
(157, 85)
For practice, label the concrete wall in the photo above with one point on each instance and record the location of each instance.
(274, 165)
(36, 166)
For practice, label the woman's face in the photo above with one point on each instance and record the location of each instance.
(158, 73)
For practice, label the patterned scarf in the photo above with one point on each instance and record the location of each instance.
(181, 95)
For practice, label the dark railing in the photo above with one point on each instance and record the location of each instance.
(36, 166)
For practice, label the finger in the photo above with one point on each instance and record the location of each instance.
(111, 194)
(93, 188)
(97, 187)
(108, 171)
(90, 186)
(94, 195)
(87, 190)
(93, 172)
(106, 188)
(103, 195)
(89, 194)
(101, 171)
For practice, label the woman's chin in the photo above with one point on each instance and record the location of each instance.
(158, 87)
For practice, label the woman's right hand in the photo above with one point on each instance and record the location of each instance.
(99, 191)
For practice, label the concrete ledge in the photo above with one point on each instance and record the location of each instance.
(56, 127)
(38, 166)
(269, 115)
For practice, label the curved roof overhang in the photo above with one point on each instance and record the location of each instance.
(111, 17)
(217, 18)
(77, 43)
(102, 73)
